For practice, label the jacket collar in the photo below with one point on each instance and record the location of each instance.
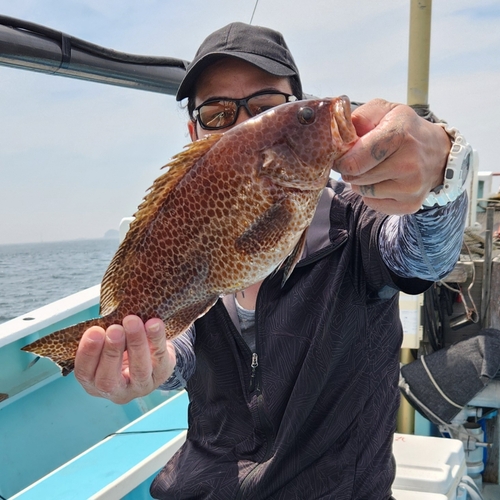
(323, 236)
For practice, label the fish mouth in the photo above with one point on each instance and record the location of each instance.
(341, 123)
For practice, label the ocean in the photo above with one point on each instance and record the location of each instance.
(35, 274)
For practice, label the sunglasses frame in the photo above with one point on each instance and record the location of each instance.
(196, 115)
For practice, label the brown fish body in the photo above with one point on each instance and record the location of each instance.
(230, 210)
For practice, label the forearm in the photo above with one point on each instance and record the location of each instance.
(427, 244)
(185, 360)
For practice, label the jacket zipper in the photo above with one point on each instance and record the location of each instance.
(265, 425)
(254, 365)
(254, 378)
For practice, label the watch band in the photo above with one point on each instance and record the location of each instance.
(456, 171)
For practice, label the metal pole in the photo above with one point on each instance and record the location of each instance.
(487, 261)
(419, 52)
(418, 94)
(405, 423)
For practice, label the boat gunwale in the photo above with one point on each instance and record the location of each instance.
(33, 321)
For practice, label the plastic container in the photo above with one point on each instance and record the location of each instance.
(427, 468)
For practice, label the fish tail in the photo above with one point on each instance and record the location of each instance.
(61, 345)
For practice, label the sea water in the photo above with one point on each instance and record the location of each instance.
(35, 274)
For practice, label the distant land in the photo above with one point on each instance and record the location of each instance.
(111, 234)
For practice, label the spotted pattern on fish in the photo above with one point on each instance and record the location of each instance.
(229, 211)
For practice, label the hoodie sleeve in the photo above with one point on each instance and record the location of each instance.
(185, 360)
(424, 245)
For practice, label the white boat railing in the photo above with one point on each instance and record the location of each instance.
(35, 320)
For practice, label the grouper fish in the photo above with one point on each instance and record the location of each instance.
(231, 209)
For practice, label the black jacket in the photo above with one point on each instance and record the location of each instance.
(314, 419)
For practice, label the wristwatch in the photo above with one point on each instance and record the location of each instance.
(456, 172)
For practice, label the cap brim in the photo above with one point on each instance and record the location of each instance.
(195, 70)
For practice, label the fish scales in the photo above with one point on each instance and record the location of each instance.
(231, 209)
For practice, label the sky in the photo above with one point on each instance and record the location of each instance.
(76, 157)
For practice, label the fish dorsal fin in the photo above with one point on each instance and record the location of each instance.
(156, 197)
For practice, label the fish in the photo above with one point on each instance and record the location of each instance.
(231, 209)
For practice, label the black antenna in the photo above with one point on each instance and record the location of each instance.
(254, 9)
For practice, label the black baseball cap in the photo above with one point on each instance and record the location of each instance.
(262, 47)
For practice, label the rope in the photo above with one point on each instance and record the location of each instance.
(424, 364)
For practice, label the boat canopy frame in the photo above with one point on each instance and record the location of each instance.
(30, 46)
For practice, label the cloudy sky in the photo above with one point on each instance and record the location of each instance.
(76, 157)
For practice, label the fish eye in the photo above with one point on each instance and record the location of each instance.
(306, 115)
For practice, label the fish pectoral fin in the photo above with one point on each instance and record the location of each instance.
(292, 260)
(277, 162)
(277, 155)
(264, 233)
(270, 158)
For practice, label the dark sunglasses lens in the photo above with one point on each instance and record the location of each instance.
(260, 103)
(218, 114)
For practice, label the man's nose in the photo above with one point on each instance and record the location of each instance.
(243, 116)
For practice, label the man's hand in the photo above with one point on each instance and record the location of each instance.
(124, 362)
(398, 159)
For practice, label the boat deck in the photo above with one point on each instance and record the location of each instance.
(120, 463)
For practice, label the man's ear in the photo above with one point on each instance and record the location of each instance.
(193, 133)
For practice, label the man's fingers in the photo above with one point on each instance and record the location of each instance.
(369, 151)
(163, 358)
(126, 361)
(155, 331)
(389, 197)
(381, 173)
(139, 355)
(108, 375)
(366, 117)
(88, 356)
(391, 179)
(379, 138)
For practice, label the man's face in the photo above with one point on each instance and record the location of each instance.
(235, 79)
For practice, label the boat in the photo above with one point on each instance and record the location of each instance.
(57, 442)
(46, 420)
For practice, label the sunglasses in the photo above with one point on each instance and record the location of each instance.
(215, 114)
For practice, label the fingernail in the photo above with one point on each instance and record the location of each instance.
(115, 335)
(132, 324)
(95, 336)
(154, 328)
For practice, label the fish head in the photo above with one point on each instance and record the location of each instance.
(304, 138)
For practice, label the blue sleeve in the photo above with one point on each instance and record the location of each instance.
(426, 244)
(185, 360)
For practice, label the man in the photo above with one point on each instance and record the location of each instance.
(293, 389)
